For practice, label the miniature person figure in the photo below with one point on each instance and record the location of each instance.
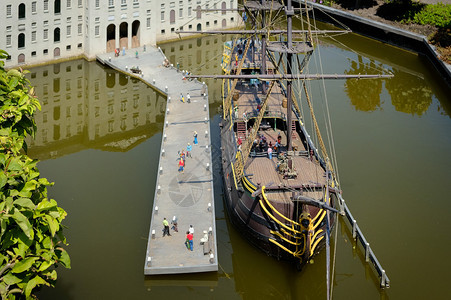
(178, 67)
(270, 153)
(187, 241)
(188, 150)
(174, 224)
(188, 98)
(195, 138)
(181, 165)
(189, 237)
(136, 54)
(191, 229)
(123, 51)
(166, 227)
(144, 48)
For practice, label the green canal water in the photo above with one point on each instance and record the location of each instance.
(99, 136)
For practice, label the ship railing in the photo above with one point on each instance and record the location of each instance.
(268, 114)
(358, 236)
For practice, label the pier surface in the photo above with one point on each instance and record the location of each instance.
(189, 195)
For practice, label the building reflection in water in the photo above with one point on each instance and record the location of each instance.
(85, 105)
(200, 56)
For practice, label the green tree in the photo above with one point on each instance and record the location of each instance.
(31, 236)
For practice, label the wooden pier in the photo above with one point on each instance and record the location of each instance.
(187, 196)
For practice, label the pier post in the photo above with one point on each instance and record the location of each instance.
(354, 228)
(149, 261)
(383, 279)
(367, 252)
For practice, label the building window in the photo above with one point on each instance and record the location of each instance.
(46, 5)
(56, 35)
(68, 47)
(69, 19)
(163, 31)
(180, 12)
(46, 23)
(79, 46)
(8, 10)
(80, 3)
(21, 40)
(33, 53)
(57, 7)
(80, 29)
(148, 22)
(198, 12)
(68, 30)
(33, 36)
(33, 7)
(189, 11)
(97, 30)
(45, 52)
(9, 28)
(8, 40)
(172, 16)
(46, 34)
(110, 3)
(97, 3)
(33, 25)
(162, 16)
(97, 19)
(69, 3)
(21, 11)
(123, 2)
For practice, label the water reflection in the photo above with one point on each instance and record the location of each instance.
(85, 105)
(200, 56)
(364, 94)
(412, 89)
(409, 93)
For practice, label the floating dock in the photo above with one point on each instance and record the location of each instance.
(188, 196)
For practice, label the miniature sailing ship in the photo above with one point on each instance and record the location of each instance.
(281, 191)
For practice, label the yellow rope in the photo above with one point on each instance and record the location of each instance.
(275, 219)
(233, 173)
(312, 249)
(275, 210)
(283, 238)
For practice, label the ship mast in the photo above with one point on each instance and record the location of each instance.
(263, 68)
(289, 13)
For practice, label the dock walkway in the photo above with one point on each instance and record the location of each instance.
(189, 195)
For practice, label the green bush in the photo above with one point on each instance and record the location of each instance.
(31, 232)
(435, 14)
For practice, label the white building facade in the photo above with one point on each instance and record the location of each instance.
(39, 31)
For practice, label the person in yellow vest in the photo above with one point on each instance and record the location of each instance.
(166, 227)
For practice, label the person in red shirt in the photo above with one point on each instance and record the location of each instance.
(189, 239)
(181, 165)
